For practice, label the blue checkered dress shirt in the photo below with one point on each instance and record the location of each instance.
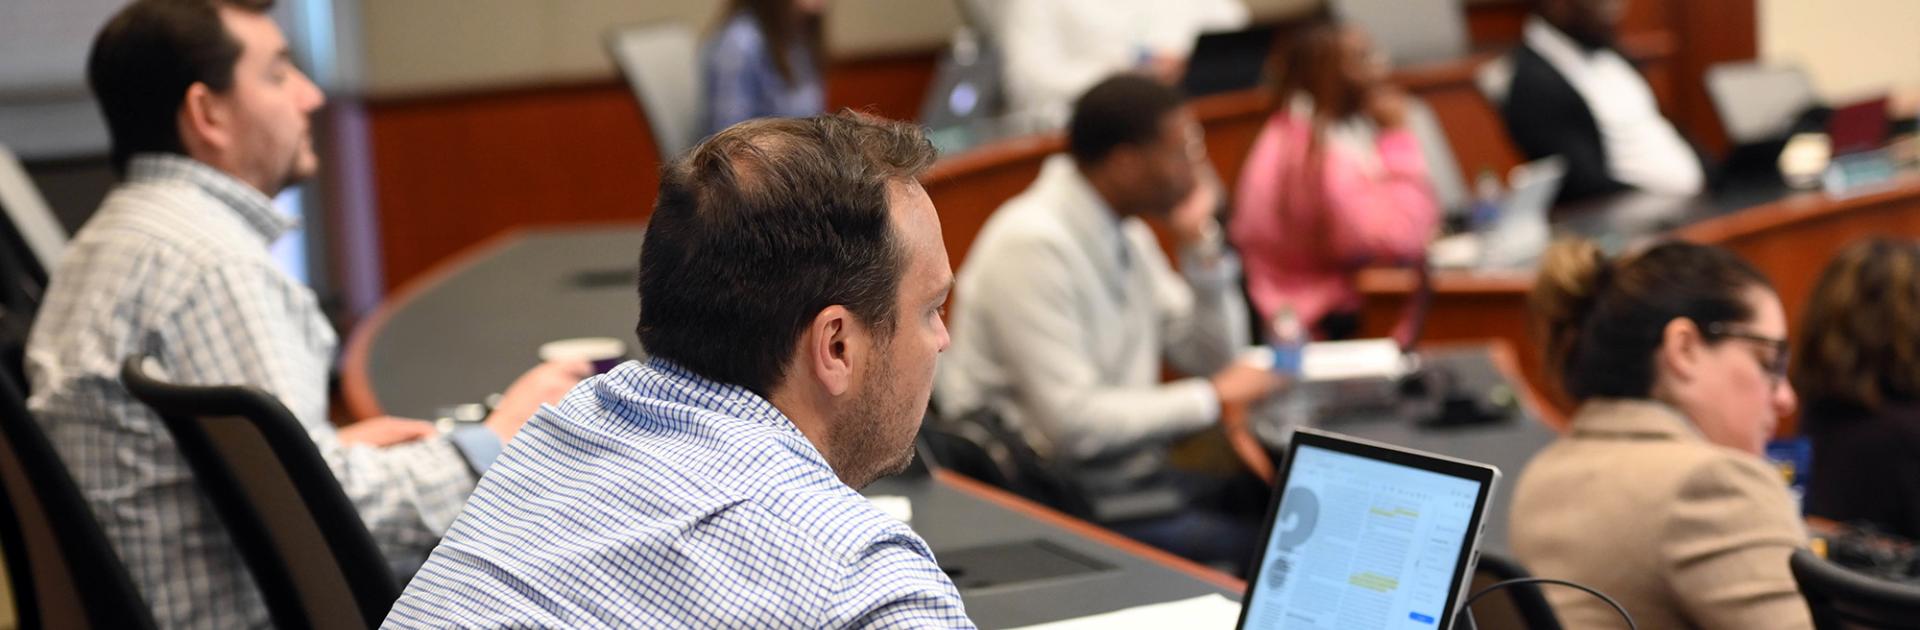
(653, 498)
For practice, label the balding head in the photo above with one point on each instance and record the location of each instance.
(764, 224)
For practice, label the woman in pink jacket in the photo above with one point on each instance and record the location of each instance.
(1335, 182)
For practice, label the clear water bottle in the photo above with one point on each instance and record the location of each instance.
(1486, 202)
(1487, 191)
(1288, 337)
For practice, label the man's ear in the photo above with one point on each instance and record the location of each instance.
(1681, 348)
(204, 121)
(829, 347)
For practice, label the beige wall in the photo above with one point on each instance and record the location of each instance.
(1852, 48)
(436, 46)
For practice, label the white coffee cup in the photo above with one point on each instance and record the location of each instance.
(603, 352)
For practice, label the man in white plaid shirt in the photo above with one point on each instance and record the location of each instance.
(209, 120)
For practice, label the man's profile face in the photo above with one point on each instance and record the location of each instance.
(271, 104)
(1167, 165)
(876, 432)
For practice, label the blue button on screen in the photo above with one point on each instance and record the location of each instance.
(1420, 618)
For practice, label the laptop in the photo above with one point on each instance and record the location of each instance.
(1522, 233)
(1367, 535)
(965, 95)
(1859, 128)
(1228, 61)
(1757, 102)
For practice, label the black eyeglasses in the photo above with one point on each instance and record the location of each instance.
(1775, 366)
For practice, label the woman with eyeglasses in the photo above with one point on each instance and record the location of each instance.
(1657, 494)
(1858, 369)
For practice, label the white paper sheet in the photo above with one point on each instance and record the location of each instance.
(1205, 612)
(895, 506)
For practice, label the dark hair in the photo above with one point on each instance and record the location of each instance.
(1601, 321)
(760, 227)
(782, 25)
(1311, 64)
(147, 56)
(1860, 336)
(1125, 109)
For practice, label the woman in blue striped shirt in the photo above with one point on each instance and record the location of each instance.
(765, 59)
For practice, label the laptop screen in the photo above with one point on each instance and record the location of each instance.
(1365, 538)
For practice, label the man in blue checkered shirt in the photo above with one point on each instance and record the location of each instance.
(791, 282)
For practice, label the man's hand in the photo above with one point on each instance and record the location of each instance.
(1192, 223)
(1240, 383)
(545, 383)
(385, 431)
(1165, 68)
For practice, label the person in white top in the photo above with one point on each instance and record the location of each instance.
(1573, 95)
(1066, 306)
(1056, 49)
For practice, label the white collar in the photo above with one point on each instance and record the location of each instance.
(1556, 47)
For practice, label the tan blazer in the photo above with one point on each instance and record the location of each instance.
(1633, 501)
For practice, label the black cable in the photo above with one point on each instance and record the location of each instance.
(1465, 609)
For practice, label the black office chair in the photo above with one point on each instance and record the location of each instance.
(21, 285)
(315, 562)
(63, 571)
(1842, 599)
(981, 446)
(1521, 606)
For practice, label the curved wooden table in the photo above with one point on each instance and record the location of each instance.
(1789, 238)
(1507, 442)
(458, 333)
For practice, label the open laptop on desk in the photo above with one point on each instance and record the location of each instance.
(1227, 61)
(1364, 535)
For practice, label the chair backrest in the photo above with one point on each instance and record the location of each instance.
(63, 572)
(16, 324)
(315, 562)
(30, 222)
(1410, 31)
(661, 61)
(1842, 599)
(1519, 607)
(980, 446)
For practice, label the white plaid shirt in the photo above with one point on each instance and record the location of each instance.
(175, 265)
(653, 498)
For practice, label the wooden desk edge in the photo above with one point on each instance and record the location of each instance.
(356, 387)
(1254, 455)
(1099, 534)
(361, 401)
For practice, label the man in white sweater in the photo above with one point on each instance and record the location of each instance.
(1066, 307)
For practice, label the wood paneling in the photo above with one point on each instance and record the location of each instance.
(1495, 25)
(453, 171)
(890, 86)
(449, 171)
(1715, 31)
